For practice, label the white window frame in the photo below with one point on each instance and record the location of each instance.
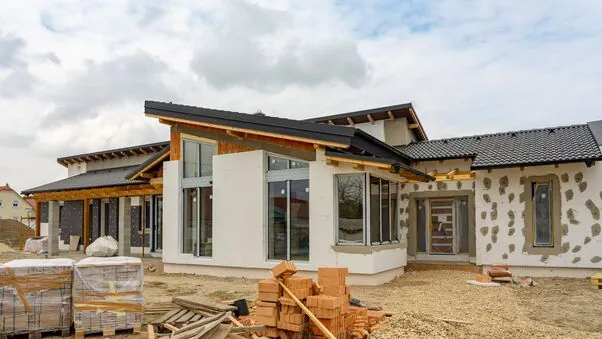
(15, 203)
(366, 217)
(277, 176)
(198, 183)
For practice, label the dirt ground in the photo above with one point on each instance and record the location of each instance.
(554, 308)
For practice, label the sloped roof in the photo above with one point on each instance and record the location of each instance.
(152, 161)
(92, 179)
(116, 152)
(519, 148)
(596, 128)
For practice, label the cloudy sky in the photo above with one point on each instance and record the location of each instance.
(74, 74)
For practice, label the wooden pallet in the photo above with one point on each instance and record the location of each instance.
(597, 280)
(177, 316)
(63, 332)
(107, 332)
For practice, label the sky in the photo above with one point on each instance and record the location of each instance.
(74, 74)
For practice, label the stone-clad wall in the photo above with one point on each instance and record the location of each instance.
(500, 209)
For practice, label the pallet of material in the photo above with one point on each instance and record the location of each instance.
(107, 294)
(35, 296)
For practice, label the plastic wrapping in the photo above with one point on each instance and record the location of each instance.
(107, 293)
(37, 245)
(105, 246)
(35, 295)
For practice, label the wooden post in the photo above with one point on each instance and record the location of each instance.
(311, 316)
(86, 226)
(38, 217)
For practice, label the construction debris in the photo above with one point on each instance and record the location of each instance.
(105, 246)
(107, 295)
(499, 273)
(290, 305)
(597, 280)
(36, 245)
(35, 296)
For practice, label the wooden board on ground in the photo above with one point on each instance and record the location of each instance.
(74, 242)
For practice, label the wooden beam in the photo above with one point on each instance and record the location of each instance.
(390, 114)
(142, 150)
(147, 175)
(331, 162)
(413, 126)
(330, 122)
(235, 134)
(100, 193)
(451, 173)
(132, 152)
(255, 132)
(358, 167)
(174, 144)
(433, 173)
(370, 118)
(38, 217)
(350, 121)
(86, 225)
(154, 149)
(106, 156)
(360, 162)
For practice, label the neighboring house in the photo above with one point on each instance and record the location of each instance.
(13, 206)
(369, 191)
(122, 191)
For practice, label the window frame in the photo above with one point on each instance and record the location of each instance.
(195, 183)
(286, 175)
(15, 203)
(367, 201)
(556, 208)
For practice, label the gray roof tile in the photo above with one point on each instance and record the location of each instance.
(92, 179)
(519, 148)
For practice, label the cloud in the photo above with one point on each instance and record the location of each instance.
(11, 49)
(17, 83)
(250, 48)
(125, 79)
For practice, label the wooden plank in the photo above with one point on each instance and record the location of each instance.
(151, 331)
(359, 162)
(413, 126)
(38, 217)
(202, 304)
(200, 323)
(186, 317)
(176, 316)
(311, 316)
(254, 328)
(170, 327)
(221, 331)
(166, 316)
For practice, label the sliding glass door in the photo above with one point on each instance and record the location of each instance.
(197, 231)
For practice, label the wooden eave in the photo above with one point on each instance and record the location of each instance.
(100, 193)
(392, 168)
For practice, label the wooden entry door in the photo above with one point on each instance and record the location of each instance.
(442, 226)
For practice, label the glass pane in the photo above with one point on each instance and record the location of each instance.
(277, 215)
(442, 229)
(299, 207)
(374, 210)
(207, 153)
(275, 163)
(191, 159)
(206, 229)
(542, 214)
(385, 211)
(190, 226)
(421, 224)
(394, 212)
(350, 191)
(299, 164)
(462, 224)
(159, 222)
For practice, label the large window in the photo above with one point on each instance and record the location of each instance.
(198, 158)
(288, 209)
(362, 219)
(542, 214)
(197, 226)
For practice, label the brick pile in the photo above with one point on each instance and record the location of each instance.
(328, 299)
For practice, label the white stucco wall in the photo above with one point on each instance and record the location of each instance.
(376, 129)
(239, 219)
(581, 239)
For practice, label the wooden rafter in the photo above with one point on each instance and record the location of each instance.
(359, 167)
(132, 152)
(413, 126)
(454, 175)
(451, 173)
(350, 121)
(331, 162)
(359, 162)
(330, 122)
(370, 117)
(391, 116)
(235, 134)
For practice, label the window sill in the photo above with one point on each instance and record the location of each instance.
(351, 249)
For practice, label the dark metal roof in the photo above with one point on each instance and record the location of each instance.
(140, 149)
(343, 135)
(596, 128)
(510, 149)
(380, 113)
(91, 179)
(397, 164)
(148, 162)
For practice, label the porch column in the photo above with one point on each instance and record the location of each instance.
(102, 217)
(53, 227)
(125, 226)
(86, 224)
(38, 217)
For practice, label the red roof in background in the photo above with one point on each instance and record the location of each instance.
(30, 201)
(6, 188)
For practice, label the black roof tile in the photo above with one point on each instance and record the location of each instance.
(509, 149)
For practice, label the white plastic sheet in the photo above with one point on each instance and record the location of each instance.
(36, 245)
(105, 246)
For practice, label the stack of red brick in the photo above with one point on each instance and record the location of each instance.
(328, 300)
(497, 273)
